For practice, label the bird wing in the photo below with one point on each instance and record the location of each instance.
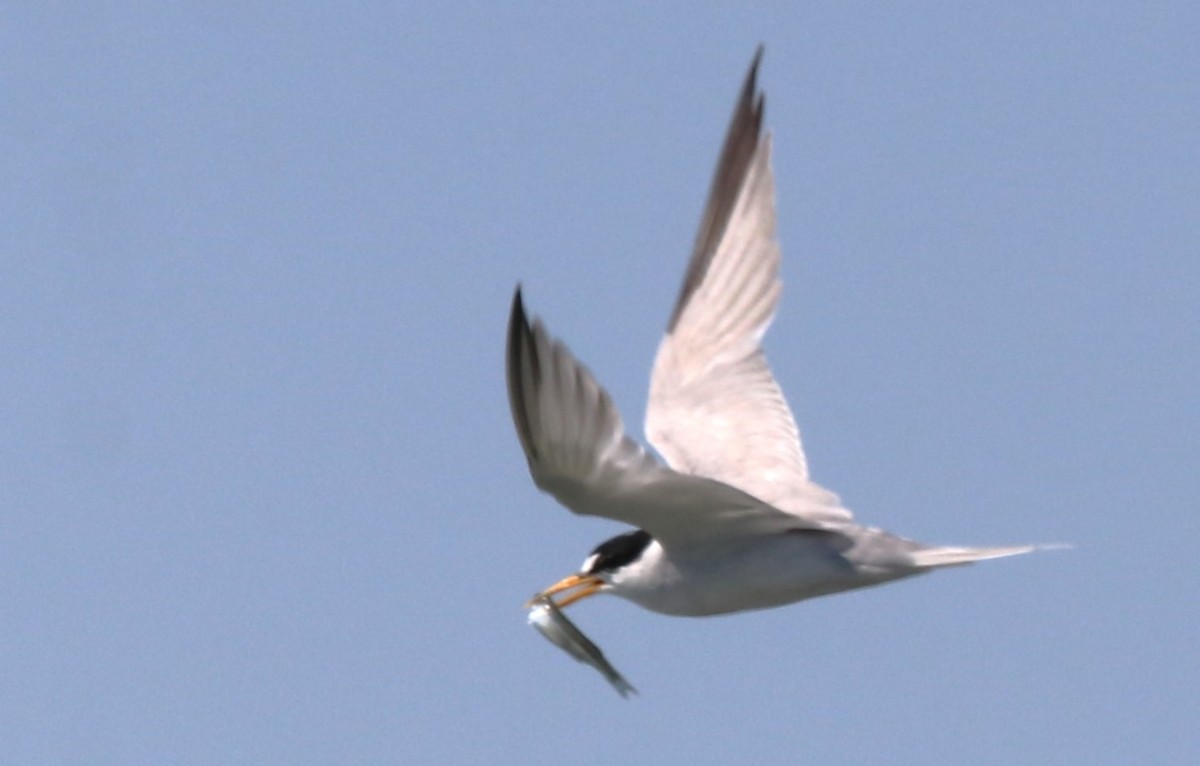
(578, 452)
(715, 410)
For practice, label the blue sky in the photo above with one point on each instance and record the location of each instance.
(261, 501)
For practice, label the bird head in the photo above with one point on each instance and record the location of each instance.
(595, 576)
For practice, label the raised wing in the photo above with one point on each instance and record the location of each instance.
(715, 409)
(577, 451)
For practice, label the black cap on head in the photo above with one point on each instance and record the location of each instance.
(613, 554)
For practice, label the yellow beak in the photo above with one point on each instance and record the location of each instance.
(588, 585)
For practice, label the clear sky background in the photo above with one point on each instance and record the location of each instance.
(261, 501)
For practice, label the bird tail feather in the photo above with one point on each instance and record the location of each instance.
(951, 556)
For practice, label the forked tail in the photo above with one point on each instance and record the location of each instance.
(950, 556)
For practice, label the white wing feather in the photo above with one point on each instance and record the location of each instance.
(715, 410)
(577, 451)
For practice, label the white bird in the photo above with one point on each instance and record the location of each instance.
(732, 521)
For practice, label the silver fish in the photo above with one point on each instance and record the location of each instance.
(550, 621)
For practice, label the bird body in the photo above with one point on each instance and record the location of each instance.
(732, 520)
(755, 572)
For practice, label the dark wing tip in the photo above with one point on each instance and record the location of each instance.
(520, 352)
(737, 153)
(752, 73)
(517, 324)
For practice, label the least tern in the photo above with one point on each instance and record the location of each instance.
(731, 521)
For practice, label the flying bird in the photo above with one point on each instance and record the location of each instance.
(729, 519)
